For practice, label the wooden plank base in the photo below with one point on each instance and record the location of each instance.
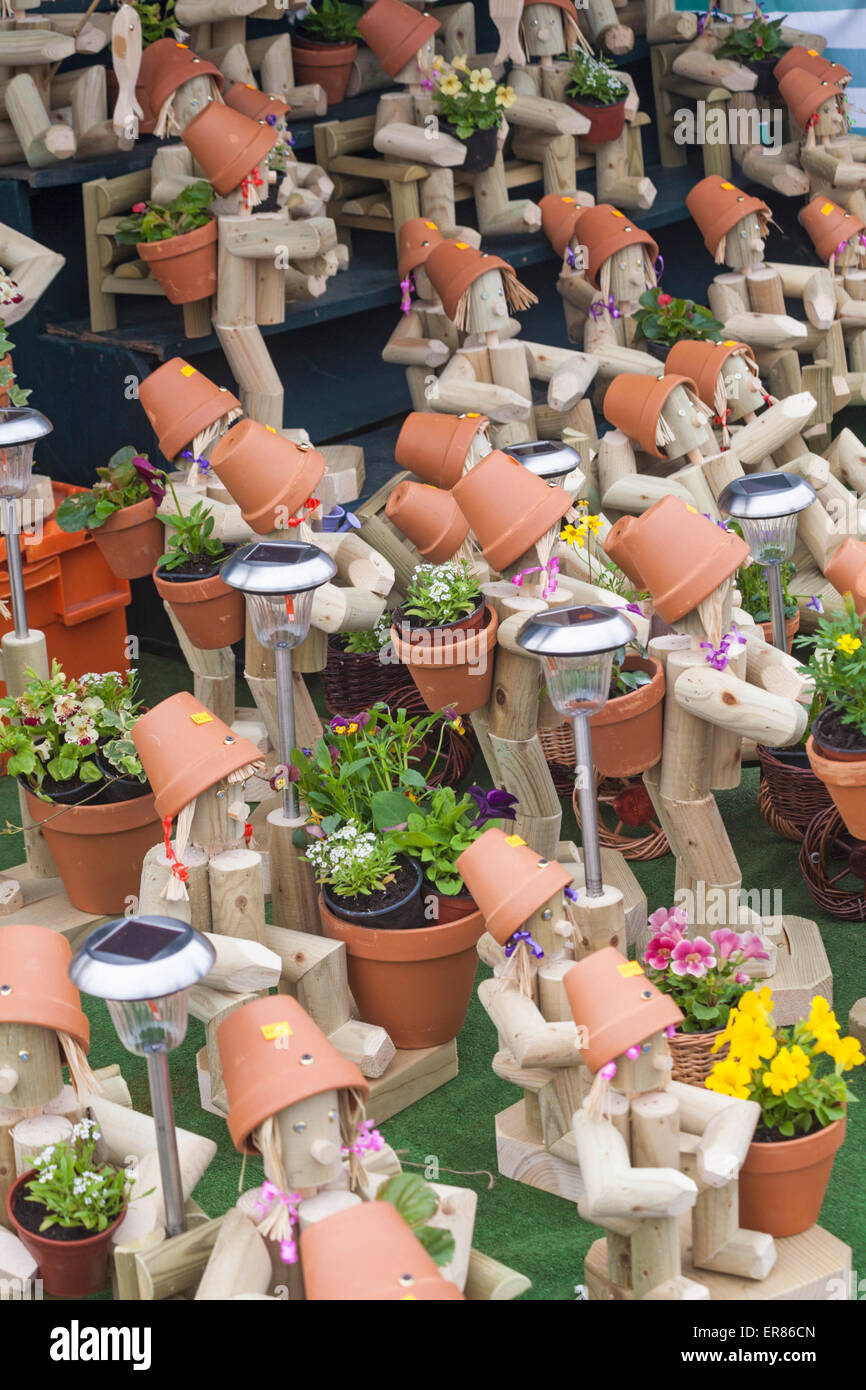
(802, 967)
(526, 1160)
(813, 1267)
(47, 905)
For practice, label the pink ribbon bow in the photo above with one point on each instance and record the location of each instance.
(269, 1194)
(551, 569)
(407, 287)
(369, 1140)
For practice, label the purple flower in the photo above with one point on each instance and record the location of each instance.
(154, 478)
(815, 602)
(717, 657)
(741, 978)
(492, 805)
(634, 608)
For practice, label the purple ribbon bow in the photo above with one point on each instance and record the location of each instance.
(203, 463)
(597, 309)
(515, 941)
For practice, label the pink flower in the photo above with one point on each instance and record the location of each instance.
(727, 941)
(741, 978)
(139, 207)
(658, 951)
(664, 300)
(753, 948)
(672, 921)
(692, 958)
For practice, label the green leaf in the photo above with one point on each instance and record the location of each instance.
(414, 1198)
(440, 1245)
(411, 778)
(390, 808)
(74, 512)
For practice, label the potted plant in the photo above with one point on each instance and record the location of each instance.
(471, 106)
(797, 1076)
(365, 880)
(68, 745)
(627, 732)
(445, 634)
(705, 979)
(837, 745)
(10, 392)
(361, 668)
(758, 46)
(178, 243)
(120, 512)
(790, 796)
(157, 20)
(65, 1210)
(324, 46)
(187, 577)
(661, 320)
(597, 93)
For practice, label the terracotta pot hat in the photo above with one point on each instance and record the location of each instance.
(633, 403)
(717, 205)
(846, 571)
(702, 362)
(165, 66)
(811, 61)
(227, 144)
(270, 477)
(34, 982)
(264, 1076)
(617, 1004)
(455, 265)
(604, 230)
(508, 507)
(508, 880)
(395, 32)
(430, 518)
(435, 446)
(559, 214)
(367, 1253)
(185, 749)
(180, 402)
(416, 238)
(804, 94)
(680, 555)
(241, 96)
(829, 226)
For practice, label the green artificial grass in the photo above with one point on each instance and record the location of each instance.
(450, 1134)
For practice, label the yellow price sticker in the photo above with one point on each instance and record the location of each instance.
(202, 718)
(828, 208)
(616, 213)
(187, 370)
(727, 187)
(514, 840)
(630, 968)
(270, 1031)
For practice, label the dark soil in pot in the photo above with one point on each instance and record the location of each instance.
(396, 907)
(205, 568)
(71, 792)
(764, 1135)
(32, 1214)
(472, 622)
(767, 85)
(480, 147)
(118, 787)
(837, 740)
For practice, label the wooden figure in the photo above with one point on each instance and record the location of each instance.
(829, 155)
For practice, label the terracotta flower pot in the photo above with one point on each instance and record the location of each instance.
(627, 732)
(606, 120)
(131, 540)
(268, 475)
(395, 32)
(35, 962)
(782, 1185)
(185, 749)
(633, 403)
(264, 1076)
(430, 518)
(255, 104)
(681, 555)
(185, 266)
(804, 94)
(828, 226)
(367, 1253)
(450, 668)
(415, 984)
(508, 880)
(453, 266)
(792, 627)
(846, 571)
(211, 614)
(165, 66)
(329, 64)
(508, 507)
(434, 447)
(415, 240)
(180, 401)
(559, 214)
(701, 363)
(448, 908)
(227, 144)
(809, 60)
(717, 205)
(604, 230)
(67, 1268)
(99, 850)
(845, 780)
(481, 147)
(617, 1004)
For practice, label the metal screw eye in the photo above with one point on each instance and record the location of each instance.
(307, 1059)
(646, 994)
(5, 989)
(546, 915)
(681, 412)
(300, 1126)
(25, 1056)
(221, 796)
(332, 1116)
(406, 1279)
(229, 739)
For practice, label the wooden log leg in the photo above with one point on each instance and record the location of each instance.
(496, 215)
(719, 1244)
(8, 1174)
(727, 744)
(437, 200)
(239, 1263)
(599, 922)
(259, 385)
(614, 182)
(155, 874)
(655, 1254)
(405, 204)
(237, 894)
(294, 894)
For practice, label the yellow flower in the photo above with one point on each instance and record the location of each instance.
(573, 535)
(730, 1078)
(848, 644)
(460, 63)
(593, 522)
(450, 85)
(438, 63)
(758, 1003)
(752, 1041)
(352, 729)
(788, 1068)
(315, 817)
(458, 725)
(482, 80)
(847, 1053)
(505, 96)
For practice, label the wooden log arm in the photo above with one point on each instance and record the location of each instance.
(614, 1188)
(550, 117)
(727, 702)
(724, 1125)
(409, 347)
(523, 1028)
(401, 140)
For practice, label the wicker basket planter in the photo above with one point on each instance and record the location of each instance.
(789, 796)
(353, 681)
(693, 1057)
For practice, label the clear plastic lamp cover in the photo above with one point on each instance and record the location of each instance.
(578, 684)
(281, 620)
(770, 539)
(150, 1025)
(16, 467)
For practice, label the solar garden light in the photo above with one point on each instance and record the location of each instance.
(143, 968)
(576, 647)
(546, 458)
(20, 428)
(279, 579)
(766, 506)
